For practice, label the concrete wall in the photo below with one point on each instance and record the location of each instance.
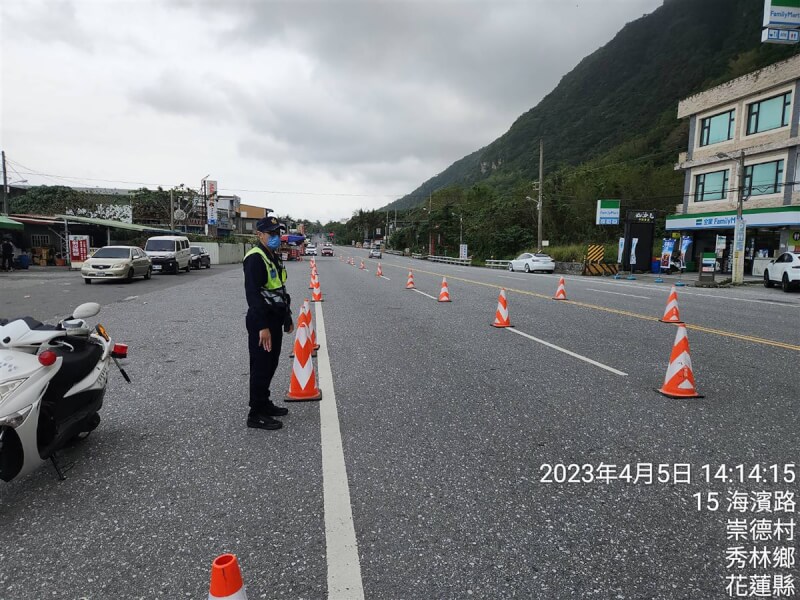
(223, 254)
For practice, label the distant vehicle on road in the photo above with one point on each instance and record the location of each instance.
(117, 262)
(375, 253)
(784, 270)
(532, 262)
(327, 250)
(199, 258)
(169, 253)
(311, 250)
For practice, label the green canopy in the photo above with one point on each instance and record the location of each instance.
(6, 223)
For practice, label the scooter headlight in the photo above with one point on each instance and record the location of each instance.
(17, 418)
(8, 387)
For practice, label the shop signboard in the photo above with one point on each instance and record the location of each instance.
(781, 14)
(462, 251)
(709, 260)
(78, 249)
(607, 212)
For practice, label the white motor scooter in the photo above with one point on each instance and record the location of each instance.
(52, 382)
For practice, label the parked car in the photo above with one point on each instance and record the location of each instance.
(199, 258)
(327, 250)
(532, 262)
(784, 270)
(117, 262)
(375, 253)
(311, 250)
(169, 253)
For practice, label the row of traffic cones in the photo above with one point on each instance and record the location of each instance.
(303, 382)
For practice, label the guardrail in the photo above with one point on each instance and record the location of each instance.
(417, 255)
(465, 262)
(397, 252)
(497, 264)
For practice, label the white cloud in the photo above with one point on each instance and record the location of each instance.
(346, 104)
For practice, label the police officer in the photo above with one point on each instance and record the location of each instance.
(268, 316)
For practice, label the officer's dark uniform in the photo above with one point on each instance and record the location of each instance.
(268, 308)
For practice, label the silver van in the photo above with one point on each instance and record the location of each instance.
(169, 253)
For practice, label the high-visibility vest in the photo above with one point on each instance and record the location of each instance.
(276, 276)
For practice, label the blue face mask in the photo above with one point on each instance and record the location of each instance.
(274, 242)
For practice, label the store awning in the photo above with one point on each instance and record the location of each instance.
(114, 224)
(779, 216)
(6, 223)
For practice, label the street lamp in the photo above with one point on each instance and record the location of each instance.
(739, 231)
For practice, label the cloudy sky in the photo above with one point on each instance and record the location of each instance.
(314, 109)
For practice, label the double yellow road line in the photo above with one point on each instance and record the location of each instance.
(625, 313)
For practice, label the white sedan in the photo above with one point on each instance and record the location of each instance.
(532, 262)
(784, 270)
(117, 262)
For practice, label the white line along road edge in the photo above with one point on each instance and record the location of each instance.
(344, 568)
(570, 352)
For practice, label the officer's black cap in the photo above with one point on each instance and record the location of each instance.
(268, 225)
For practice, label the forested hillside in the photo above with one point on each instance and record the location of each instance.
(609, 128)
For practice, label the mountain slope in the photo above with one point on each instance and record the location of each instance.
(619, 103)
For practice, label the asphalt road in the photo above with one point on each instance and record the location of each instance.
(445, 426)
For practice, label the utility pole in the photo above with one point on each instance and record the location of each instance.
(171, 212)
(5, 185)
(430, 224)
(739, 229)
(541, 182)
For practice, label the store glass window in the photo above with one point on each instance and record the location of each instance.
(718, 128)
(771, 113)
(711, 186)
(766, 178)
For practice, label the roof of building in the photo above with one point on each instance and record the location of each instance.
(756, 82)
(115, 224)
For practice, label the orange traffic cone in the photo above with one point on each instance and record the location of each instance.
(311, 283)
(501, 316)
(305, 318)
(410, 282)
(444, 295)
(679, 381)
(226, 579)
(379, 272)
(311, 329)
(316, 294)
(362, 265)
(561, 292)
(671, 313)
(303, 385)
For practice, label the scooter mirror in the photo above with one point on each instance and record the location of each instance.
(88, 309)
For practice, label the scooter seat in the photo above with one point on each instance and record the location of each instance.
(31, 323)
(77, 363)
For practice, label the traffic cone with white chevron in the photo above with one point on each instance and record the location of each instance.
(303, 383)
(226, 579)
(444, 295)
(410, 283)
(671, 313)
(312, 333)
(501, 316)
(561, 292)
(379, 272)
(679, 381)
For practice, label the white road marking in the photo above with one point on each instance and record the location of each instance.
(129, 298)
(384, 277)
(424, 294)
(565, 351)
(508, 277)
(344, 568)
(683, 292)
(618, 293)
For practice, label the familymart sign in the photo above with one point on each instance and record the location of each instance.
(781, 13)
(758, 217)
